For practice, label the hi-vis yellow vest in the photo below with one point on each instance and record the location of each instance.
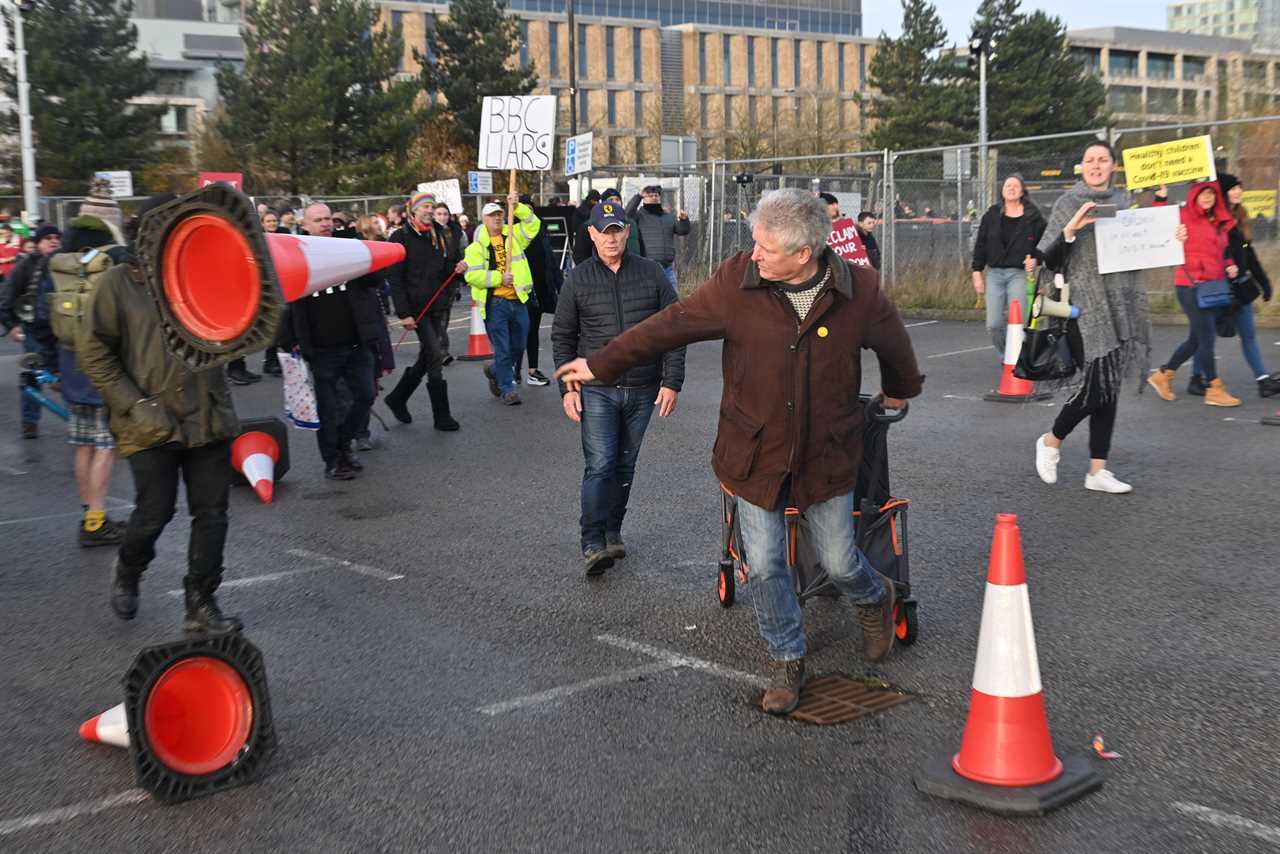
(517, 239)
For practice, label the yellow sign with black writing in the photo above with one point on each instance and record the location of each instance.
(1177, 162)
(1260, 203)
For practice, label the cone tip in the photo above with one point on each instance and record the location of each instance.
(1015, 312)
(265, 490)
(1006, 567)
(89, 729)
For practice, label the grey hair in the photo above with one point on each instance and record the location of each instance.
(796, 218)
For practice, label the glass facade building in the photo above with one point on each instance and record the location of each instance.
(839, 17)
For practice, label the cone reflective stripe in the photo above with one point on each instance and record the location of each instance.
(110, 727)
(478, 343)
(254, 454)
(1012, 389)
(1006, 761)
(306, 265)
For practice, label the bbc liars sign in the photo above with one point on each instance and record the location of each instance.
(846, 242)
(518, 132)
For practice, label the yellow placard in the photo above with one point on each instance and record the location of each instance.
(1177, 162)
(1260, 203)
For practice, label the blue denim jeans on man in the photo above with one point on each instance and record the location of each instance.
(1004, 285)
(507, 322)
(613, 423)
(764, 541)
(670, 270)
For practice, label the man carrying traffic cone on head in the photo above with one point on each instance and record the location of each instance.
(501, 283)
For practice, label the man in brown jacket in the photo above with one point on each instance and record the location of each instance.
(794, 319)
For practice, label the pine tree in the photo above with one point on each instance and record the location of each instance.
(84, 69)
(470, 57)
(916, 105)
(317, 107)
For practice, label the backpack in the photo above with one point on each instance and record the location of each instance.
(75, 278)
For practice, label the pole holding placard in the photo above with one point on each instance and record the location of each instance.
(511, 222)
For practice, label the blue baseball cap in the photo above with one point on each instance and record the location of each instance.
(606, 215)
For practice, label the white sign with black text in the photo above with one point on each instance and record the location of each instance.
(1139, 239)
(518, 132)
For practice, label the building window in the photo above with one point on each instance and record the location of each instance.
(582, 51)
(1159, 66)
(840, 67)
(639, 149)
(1189, 102)
(773, 63)
(704, 106)
(1089, 57)
(609, 64)
(1124, 63)
(397, 26)
(524, 43)
(795, 62)
(613, 149)
(817, 66)
(751, 60)
(795, 108)
(611, 102)
(1162, 101)
(728, 68)
(1125, 99)
(553, 49)
(637, 99)
(702, 57)
(584, 103)
(429, 32)
(637, 55)
(1255, 72)
(728, 111)
(751, 111)
(862, 66)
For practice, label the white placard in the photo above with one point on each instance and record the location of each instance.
(518, 132)
(670, 192)
(448, 191)
(577, 154)
(1139, 239)
(121, 183)
(850, 203)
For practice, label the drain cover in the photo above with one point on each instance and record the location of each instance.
(837, 699)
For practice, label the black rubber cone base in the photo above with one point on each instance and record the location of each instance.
(1078, 779)
(997, 397)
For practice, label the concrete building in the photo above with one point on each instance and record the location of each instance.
(1157, 76)
(1256, 20)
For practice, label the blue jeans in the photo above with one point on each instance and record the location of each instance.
(1200, 339)
(47, 346)
(764, 541)
(670, 270)
(1004, 284)
(1249, 341)
(613, 425)
(507, 322)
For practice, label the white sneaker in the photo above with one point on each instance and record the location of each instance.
(1047, 461)
(1105, 481)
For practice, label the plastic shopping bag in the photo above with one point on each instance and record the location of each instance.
(299, 393)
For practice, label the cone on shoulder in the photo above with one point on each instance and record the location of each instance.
(1006, 762)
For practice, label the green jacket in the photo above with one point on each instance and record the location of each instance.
(479, 275)
(152, 397)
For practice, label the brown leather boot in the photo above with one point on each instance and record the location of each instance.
(1162, 382)
(877, 625)
(786, 678)
(1217, 395)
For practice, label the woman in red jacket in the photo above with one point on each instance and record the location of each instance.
(1207, 258)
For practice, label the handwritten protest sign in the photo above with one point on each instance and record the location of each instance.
(847, 243)
(1260, 203)
(449, 192)
(518, 132)
(1139, 239)
(1176, 162)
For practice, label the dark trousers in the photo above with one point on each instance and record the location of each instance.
(535, 321)
(431, 349)
(38, 340)
(206, 471)
(1102, 420)
(353, 366)
(1201, 338)
(613, 425)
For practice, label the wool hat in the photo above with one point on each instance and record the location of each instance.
(99, 203)
(1226, 181)
(419, 199)
(46, 231)
(828, 198)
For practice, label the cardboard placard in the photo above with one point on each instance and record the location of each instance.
(847, 242)
(1260, 203)
(1177, 162)
(448, 191)
(1139, 239)
(518, 132)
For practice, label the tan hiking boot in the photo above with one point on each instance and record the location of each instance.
(1162, 382)
(1216, 394)
(786, 678)
(878, 630)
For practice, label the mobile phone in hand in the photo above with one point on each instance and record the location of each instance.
(1103, 212)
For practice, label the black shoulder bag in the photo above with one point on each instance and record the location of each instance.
(1046, 350)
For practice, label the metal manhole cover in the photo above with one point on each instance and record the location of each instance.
(837, 699)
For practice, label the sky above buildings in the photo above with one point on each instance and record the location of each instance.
(886, 15)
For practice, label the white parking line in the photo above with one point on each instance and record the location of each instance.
(567, 690)
(959, 352)
(676, 659)
(61, 814)
(253, 579)
(371, 571)
(1227, 820)
(122, 505)
(920, 323)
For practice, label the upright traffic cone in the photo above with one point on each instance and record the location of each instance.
(254, 454)
(1012, 389)
(478, 344)
(110, 727)
(1006, 762)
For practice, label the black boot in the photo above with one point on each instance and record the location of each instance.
(398, 400)
(203, 613)
(1269, 386)
(124, 592)
(439, 391)
(1196, 385)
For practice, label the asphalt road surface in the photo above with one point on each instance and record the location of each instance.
(443, 678)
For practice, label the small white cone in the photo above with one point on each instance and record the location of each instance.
(110, 727)
(259, 469)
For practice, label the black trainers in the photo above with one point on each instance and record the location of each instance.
(448, 360)
(272, 368)
(346, 455)
(242, 376)
(124, 592)
(597, 560)
(110, 534)
(786, 679)
(878, 630)
(537, 377)
(339, 471)
(512, 398)
(203, 614)
(1196, 386)
(614, 546)
(1269, 386)
(494, 389)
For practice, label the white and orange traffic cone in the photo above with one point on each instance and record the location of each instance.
(1006, 762)
(306, 265)
(1012, 389)
(478, 347)
(110, 727)
(255, 454)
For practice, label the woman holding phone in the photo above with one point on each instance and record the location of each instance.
(1111, 337)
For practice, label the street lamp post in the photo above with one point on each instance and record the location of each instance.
(985, 48)
(30, 187)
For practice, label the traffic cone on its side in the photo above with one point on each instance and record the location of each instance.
(110, 727)
(255, 454)
(478, 344)
(1006, 762)
(1012, 389)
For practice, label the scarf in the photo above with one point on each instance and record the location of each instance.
(1115, 320)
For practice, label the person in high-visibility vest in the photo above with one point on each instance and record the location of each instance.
(498, 273)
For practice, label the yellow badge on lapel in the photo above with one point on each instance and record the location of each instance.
(822, 332)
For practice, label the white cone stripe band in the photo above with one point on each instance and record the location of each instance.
(112, 728)
(1006, 664)
(1013, 343)
(477, 322)
(258, 467)
(332, 261)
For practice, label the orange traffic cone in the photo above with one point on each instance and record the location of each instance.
(1012, 389)
(255, 454)
(110, 727)
(1006, 762)
(478, 344)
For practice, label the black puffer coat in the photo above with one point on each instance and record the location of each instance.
(597, 305)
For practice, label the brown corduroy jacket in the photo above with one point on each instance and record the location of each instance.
(790, 405)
